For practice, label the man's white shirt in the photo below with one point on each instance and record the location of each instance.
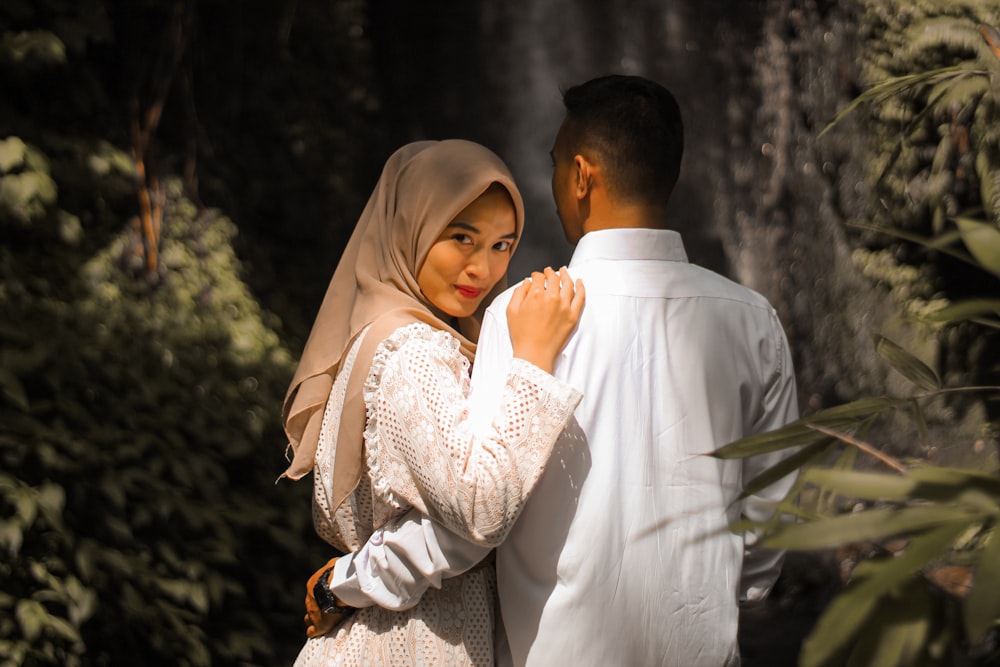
(623, 553)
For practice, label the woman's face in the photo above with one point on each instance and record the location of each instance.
(470, 255)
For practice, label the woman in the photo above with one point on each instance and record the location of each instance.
(378, 403)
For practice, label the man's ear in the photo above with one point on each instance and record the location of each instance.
(584, 172)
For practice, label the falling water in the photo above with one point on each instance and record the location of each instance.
(760, 199)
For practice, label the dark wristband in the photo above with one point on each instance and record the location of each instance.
(325, 599)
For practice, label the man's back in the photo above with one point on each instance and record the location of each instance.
(622, 555)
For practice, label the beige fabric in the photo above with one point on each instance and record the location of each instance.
(422, 187)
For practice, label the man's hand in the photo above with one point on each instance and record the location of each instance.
(318, 622)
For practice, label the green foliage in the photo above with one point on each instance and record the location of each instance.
(929, 112)
(927, 519)
(142, 519)
(927, 594)
(140, 522)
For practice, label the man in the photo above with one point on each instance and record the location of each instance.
(623, 553)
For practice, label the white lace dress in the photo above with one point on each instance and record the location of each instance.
(422, 451)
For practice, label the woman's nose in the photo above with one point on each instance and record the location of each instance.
(478, 264)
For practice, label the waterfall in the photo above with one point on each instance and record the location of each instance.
(759, 198)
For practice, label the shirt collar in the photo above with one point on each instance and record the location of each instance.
(631, 243)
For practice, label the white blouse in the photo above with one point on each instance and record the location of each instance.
(422, 452)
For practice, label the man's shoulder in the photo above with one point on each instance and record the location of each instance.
(711, 283)
(498, 308)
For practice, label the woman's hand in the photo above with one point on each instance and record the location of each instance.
(542, 312)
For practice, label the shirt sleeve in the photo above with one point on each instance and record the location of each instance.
(425, 452)
(400, 561)
(761, 566)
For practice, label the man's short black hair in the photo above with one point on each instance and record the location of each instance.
(632, 128)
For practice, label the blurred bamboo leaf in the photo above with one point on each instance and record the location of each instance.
(983, 241)
(790, 464)
(965, 310)
(843, 619)
(890, 88)
(13, 390)
(982, 604)
(861, 485)
(902, 632)
(906, 364)
(921, 422)
(940, 243)
(871, 525)
(800, 433)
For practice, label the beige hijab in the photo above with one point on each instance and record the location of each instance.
(422, 188)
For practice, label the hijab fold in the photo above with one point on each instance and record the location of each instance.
(423, 186)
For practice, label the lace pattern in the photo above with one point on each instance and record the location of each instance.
(421, 450)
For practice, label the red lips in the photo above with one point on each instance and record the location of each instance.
(469, 292)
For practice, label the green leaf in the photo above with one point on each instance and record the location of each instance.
(793, 435)
(891, 88)
(848, 413)
(918, 417)
(902, 630)
(983, 241)
(799, 433)
(964, 310)
(861, 485)
(908, 365)
(869, 525)
(845, 617)
(936, 243)
(11, 536)
(982, 604)
(33, 47)
(787, 465)
(32, 617)
(63, 628)
(13, 153)
(837, 626)
(13, 390)
(959, 478)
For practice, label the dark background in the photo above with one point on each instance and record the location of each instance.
(139, 423)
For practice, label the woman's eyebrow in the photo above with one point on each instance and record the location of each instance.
(467, 226)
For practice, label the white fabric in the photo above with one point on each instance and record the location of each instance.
(623, 555)
(424, 452)
(401, 561)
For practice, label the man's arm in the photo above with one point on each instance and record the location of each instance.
(761, 567)
(412, 553)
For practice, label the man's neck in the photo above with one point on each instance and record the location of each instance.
(624, 217)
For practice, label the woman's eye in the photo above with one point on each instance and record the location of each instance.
(502, 246)
(464, 239)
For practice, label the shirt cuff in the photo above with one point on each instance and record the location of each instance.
(345, 585)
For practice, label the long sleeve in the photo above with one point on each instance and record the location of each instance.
(400, 561)
(424, 451)
(761, 567)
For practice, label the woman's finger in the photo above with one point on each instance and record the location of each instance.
(537, 281)
(565, 284)
(579, 296)
(517, 296)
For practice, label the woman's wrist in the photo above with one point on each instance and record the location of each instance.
(541, 359)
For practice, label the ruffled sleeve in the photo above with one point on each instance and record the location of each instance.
(424, 452)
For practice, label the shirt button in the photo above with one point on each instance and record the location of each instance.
(376, 539)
